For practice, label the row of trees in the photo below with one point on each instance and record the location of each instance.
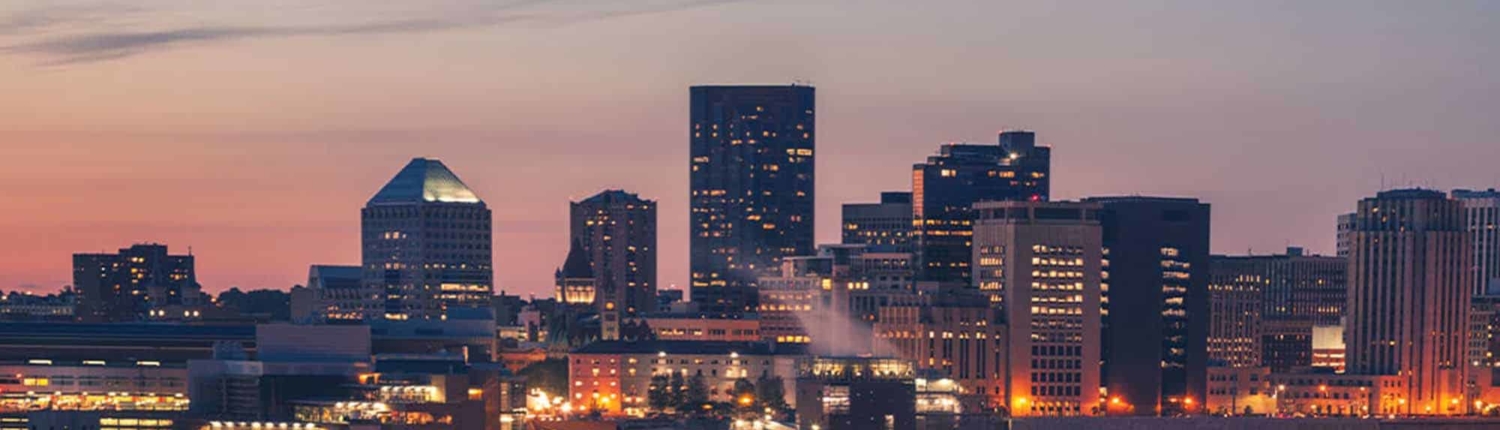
(676, 393)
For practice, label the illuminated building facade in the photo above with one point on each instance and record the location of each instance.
(426, 245)
(1155, 302)
(882, 227)
(1341, 395)
(751, 188)
(1039, 262)
(339, 294)
(140, 283)
(946, 187)
(958, 336)
(22, 306)
(1298, 292)
(92, 385)
(1238, 391)
(1482, 221)
(617, 231)
(614, 378)
(704, 328)
(1329, 352)
(1410, 288)
(1234, 302)
(833, 299)
(575, 280)
(802, 306)
(1484, 349)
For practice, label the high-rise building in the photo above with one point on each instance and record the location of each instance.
(1039, 262)
(1410, 286)
(1155, 303)
(1297, 291)
(883, 227)
(1482, 220)
(617, 231)
(946, 187)
(751, 188)
(142, 282)
(426, 245)
(1234, 331)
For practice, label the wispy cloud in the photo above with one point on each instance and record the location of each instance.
(55, 48)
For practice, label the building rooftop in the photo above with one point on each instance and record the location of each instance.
(1411, 194)
(691, 348)
(576, 266)
(329, 271)
(1476, 194)
(21, 330)
(614, 197)
(424, 180)
(1139, 199)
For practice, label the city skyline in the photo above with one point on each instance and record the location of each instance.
(262, 193)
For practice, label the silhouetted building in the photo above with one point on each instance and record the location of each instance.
(618, 233)
(946, 187)
(883, 227)
(751, 188)
(1286, 345)
(1039, 262)
(666, 297)
(1297, 293)
(848, 393)
(1155, 302)
(118, 342)
(1345, 226)
(1482, 220)
(1410, 286)
(426, 245)
(142, 282)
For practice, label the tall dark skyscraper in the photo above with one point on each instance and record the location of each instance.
(426, 245)
(1156, 302)
(945, 188)
(1410, 285)
(140, 283)
(617, 233)
(884, 226)
(752, 188)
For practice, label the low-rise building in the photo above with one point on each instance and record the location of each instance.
(614, 377)
(1341, 395)
(1239, 391)
(847, 393)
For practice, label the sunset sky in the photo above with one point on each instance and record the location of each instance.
(253, 132)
